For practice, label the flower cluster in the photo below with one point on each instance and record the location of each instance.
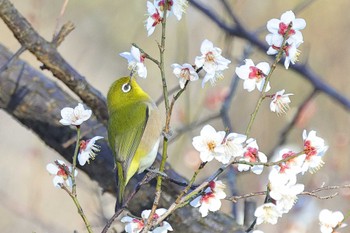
(211, 61)
(283, 189)
(88, 149)
(135, 225)
(287, 27)
(155, 12)
(212, 144)
(284, 33)
(210, 200)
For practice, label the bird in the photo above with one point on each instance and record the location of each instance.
(134, 130)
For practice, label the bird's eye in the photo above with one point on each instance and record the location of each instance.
(126, 87)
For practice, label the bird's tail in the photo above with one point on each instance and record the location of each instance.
(121, 187)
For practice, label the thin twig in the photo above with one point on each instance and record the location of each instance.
(63, 33)
(12, 58)
(146, 55)
(170, 92)
(58, 20)
(308, 193)
(267, 79)
(184, 191)
(74, 195)
(238, 197)
(75, 155)
(111, 220)
(167, 127)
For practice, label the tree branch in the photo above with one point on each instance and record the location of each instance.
(46, 52)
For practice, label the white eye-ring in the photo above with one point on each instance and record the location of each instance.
(126, 87)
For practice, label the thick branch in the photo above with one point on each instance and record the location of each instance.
(35, 101)
(47, 53)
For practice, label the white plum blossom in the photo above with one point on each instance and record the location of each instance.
(61, 173)
(155, 16)
(155, 12)
(280, 102)
(253, 76)
(207, 202)
(184, 73)
(284, 193)
(211, 199)
(88, 150)
(292, 54)
(252, 154)
(206, 143)
(289, 169)
(75, 116)
(290, 50)
(329, 220)
(231, 147)
(283, 177)
(178, 7)
(212, 77)
(212, 62)
(314, 149)
(135, 225)
(279, 27)
(135, 61)
(288, 197)
(267, 213)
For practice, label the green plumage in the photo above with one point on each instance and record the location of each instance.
(133, 130)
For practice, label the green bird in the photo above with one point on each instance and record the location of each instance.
(134, 130)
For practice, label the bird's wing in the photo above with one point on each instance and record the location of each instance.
(130, 133)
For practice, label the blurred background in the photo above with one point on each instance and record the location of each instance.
(30, 203)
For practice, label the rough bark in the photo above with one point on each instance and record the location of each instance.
(46, 52)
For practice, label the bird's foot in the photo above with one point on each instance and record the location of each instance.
(156, 171)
